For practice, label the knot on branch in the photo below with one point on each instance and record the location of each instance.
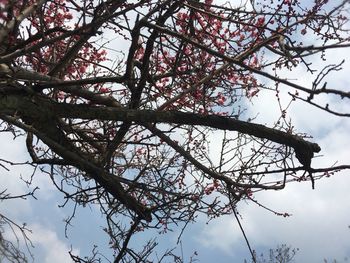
(304, 152)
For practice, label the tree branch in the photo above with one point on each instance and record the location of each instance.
(39, 106)
(110, 182)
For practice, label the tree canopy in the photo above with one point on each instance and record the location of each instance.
(122, 102)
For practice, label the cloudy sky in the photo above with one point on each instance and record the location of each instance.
(319, 225)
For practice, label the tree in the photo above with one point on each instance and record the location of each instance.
(130, 131)
(281, 254)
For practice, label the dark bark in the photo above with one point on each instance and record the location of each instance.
(39, 107)
(48, 107)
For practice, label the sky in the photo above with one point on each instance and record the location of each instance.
(318, 227)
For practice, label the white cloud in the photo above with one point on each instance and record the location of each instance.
(318, 223)
(54, 249)
(221, 234)
(45, 240)
(15, 151)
